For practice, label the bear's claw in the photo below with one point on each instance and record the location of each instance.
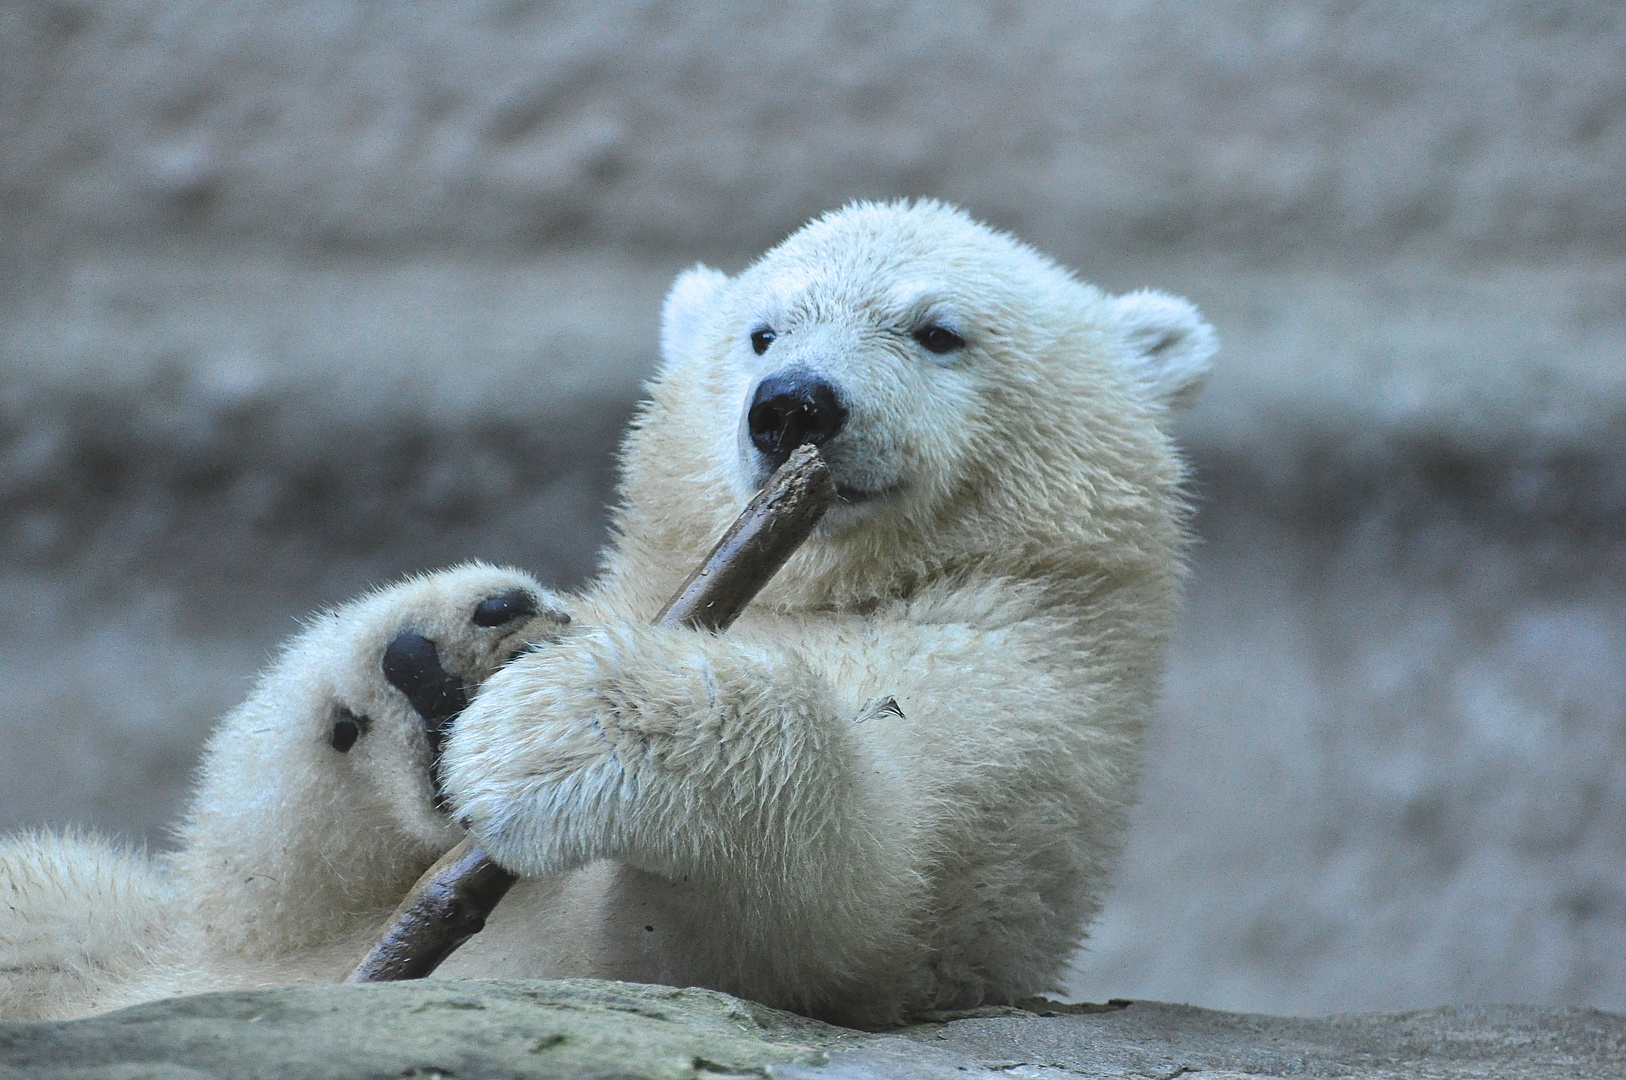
(504, 608)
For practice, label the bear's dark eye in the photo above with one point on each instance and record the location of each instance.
(761, 338)
(939, 339)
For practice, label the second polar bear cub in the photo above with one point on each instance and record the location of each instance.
(894, 785)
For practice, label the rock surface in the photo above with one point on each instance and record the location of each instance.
(462, 1030)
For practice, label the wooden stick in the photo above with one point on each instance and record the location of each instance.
(445, 907)
(450, 901)
(766, 533)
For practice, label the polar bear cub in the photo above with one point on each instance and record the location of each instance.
(896, 784)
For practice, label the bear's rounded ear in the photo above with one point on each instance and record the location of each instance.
(1169, 346)
(691, 300)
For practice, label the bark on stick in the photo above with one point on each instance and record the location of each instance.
(450, 902)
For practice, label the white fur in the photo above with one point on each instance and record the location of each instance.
(896, 784)
(688, 306)
(1169, 344)
(85, 925)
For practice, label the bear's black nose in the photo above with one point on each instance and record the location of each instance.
(792, 409)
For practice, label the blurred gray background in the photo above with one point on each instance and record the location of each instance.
(299, 296)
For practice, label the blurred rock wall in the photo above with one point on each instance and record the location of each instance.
(1490, 128)
(297, 297)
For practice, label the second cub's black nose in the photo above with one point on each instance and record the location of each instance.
(792, 409)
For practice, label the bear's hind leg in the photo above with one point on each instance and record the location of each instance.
(319, 802)
(86, 925)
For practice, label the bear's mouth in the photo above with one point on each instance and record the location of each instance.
(865, 485)
(849, 495)
(864, 490)
(857, 496)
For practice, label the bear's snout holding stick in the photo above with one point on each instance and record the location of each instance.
(450, 902)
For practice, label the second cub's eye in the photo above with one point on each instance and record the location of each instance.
(939, 339)
(761, 338)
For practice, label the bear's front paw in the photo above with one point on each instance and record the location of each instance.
(543, 765)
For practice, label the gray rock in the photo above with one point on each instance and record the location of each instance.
(439, 1028)
(1152, 1039)
(584, 1028)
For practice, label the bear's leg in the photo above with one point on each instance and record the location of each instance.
(84, 925)
(728, 766)
(319, 802)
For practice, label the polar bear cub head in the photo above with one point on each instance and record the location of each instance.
(921, 351)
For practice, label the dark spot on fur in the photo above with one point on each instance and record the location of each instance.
(651, 929)
(347, 728)
(1163, 343)
(504, 608)
(879, 707)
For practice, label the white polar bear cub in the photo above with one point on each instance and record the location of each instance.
(894, 785)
